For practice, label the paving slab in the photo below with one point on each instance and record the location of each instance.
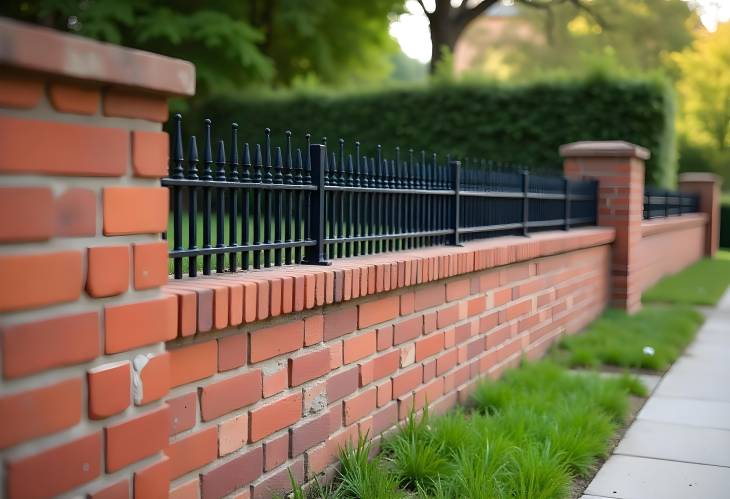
(697, 378)
(629, 477)
(690, 412)
(675, 442)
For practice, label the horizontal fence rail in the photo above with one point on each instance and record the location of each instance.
(661, 203)
(305, 204)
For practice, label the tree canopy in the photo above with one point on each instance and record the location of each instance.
(238, 43)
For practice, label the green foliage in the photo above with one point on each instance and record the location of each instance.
(362, 477)
(618, 339)
(520, 124)
(237, 44)
(702, 283)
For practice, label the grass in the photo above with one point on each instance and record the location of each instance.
(700, 284)
(617, 339)
(527, 435)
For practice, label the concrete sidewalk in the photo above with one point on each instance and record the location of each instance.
(679, 444)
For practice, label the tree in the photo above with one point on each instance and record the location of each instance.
(447, 21)
(237, 43)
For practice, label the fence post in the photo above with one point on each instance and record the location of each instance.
(525, 201)
(456, 172)
(566, 184)
(707, 187)
(314, 255)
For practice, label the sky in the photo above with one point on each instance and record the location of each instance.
(411, 29)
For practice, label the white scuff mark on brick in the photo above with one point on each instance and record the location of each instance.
(139, 363)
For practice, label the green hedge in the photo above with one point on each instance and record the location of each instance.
(725, 226)
(519, 123)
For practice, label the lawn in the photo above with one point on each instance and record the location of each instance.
(700, 284)
(528, 435)
(651, 339)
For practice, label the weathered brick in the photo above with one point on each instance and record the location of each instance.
(39, 279)
(378, 311)
(150, 265)
(385, 365)
(232, 475)
(308, 366)
(135, 210)
(137, 438)
(447, 316)
(36, 346)
(183, 410)
(385, 392)
(385, 418)
(109, 388)
(232, 351)
(232, 434)
(274, 416)
(430, 296)
(342, 384)
(62, 468)
(278, 484)
(309, 433)
(385, 337)
(313, 330)
(360, 405)
(276, 340)
(431, 345)
(193, 362)
(40, 411)
(107, 271)
(358, 347)
(275, 381)
(75, 213)
(446, 361)
(222, 397)
(456, 290)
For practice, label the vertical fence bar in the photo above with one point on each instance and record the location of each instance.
(207, 208)
(193, 207)
(314, 254)
(566, 211)
(456, 172)
(177, 172)
(233, 199)
(220, 258)
(525, 201)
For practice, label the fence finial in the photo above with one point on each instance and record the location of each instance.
(258, 164)
(278, 176)
(233, 158)
(176, 170)
(207, 152)
(288, 176)
(220, 161)
(246, 174)
(193, 159)
(299, 167)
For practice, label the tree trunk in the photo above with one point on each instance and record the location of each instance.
(444, 33)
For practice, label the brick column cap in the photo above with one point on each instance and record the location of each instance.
(704, 177)
(603, 149)
(37, 48)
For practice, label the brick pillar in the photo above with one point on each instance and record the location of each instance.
(82, 319)
(707, 186)
(619, 168)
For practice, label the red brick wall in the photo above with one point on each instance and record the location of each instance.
(668, 245)
(252, 401)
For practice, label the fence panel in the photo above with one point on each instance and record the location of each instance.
(661, 203)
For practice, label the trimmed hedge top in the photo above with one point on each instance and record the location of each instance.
(522, 124)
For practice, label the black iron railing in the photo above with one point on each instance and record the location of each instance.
(660, 203)
(304, 205)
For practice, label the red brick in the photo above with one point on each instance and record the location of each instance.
(39, 279)
(360, 405)
(274, 416)
(186, 490)
(448, 316)
(278, 484)
(488, 322)
(36, 346)
(153, 481)
(359, 347)
(385, 338)
(183, 410)
(276, 451)
(117, 490)
(76, 213)
(502, 296)
(62, 468)
(515, 310)
(36, 205)
(150, 153)
(232, 351)
(276, 340)
(342, 384)
(430, 296)
(429, 370)
(430, 322)
(407, 330)
(150, 265)
(135, 439)
(109, 387)
(308, 366)
(445, 362)
(40, 411)
(193, 362)
(313, 330)
(107, 270)
(309, 433)
(192, 452)
(335, 355)
(476, 306)
(125, 103)
(385, 392)
(385, 418)
(276, 382)
(222, 397)
(68, 148)
(74, 97)
(366, 372)
(339, 322)
(407, 303)
(138, 324)
(20, 90)
(407, 381)
(378, 311)
(429, 346)
(135, 210)
(455, 290)
(232, 434)
(232, 475)
(386, 364)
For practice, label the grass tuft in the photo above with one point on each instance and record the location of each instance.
(702, 283)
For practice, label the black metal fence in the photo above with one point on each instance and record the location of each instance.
(660, 203)
(250, 208)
